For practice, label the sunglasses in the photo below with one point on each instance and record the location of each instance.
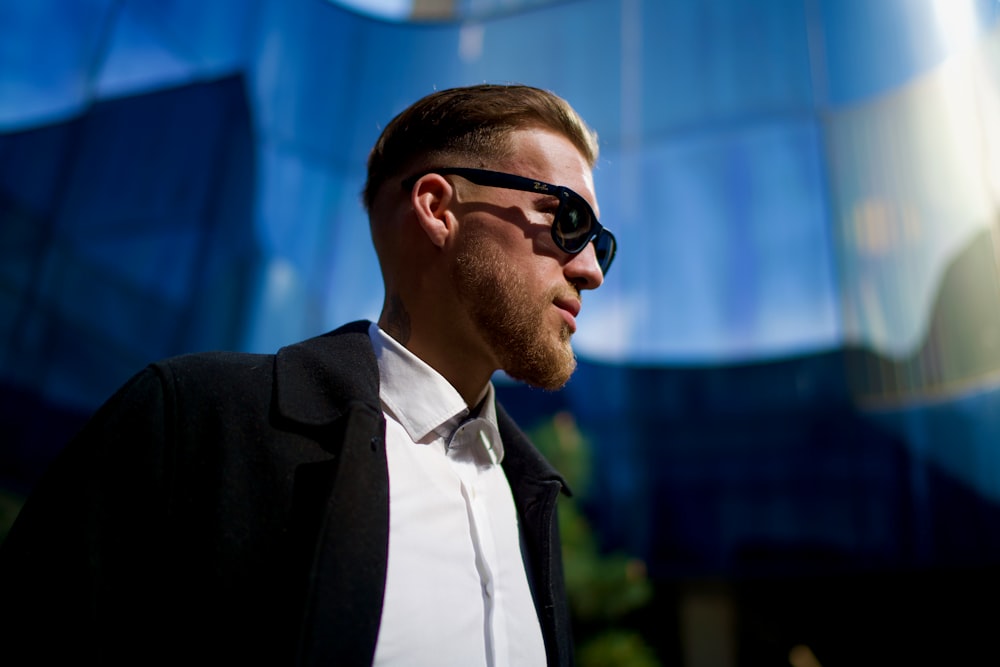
(574, 225)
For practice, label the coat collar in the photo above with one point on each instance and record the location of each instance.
(312, 391)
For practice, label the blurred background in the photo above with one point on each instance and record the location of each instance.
(784, 432)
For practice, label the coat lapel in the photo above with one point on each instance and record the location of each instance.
(535, 485)
(328, 386)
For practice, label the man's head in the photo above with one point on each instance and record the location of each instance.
(482, 210)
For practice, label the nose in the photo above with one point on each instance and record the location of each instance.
(583, 270)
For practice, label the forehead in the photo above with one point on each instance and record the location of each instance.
(548, 156)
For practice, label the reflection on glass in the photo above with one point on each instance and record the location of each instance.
(915, 178)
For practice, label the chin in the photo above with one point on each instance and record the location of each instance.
(548, 368)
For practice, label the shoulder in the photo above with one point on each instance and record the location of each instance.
(334, 357)
(307, 381)
(207, 370)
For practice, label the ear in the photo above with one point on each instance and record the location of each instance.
(432, 197)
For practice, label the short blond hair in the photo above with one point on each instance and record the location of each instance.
(474, 123)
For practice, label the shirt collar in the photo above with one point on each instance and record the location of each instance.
(419, 397)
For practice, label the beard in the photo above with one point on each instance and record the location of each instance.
(508, 319)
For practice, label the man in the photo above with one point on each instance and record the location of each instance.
(358, 498)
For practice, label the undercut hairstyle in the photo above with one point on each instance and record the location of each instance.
(472, 124)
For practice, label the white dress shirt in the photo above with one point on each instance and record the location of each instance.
(456, 590)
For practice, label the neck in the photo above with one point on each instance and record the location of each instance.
(465, 373)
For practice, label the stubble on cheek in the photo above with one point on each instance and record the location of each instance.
(516, 326)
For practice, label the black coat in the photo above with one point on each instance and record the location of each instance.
(234, 507)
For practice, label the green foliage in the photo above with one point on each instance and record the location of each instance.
(10, 505)
(616, 648)
(603, 589)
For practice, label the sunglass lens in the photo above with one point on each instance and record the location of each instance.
(573, 226)
(605, 246)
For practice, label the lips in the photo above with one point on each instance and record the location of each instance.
(569, 308)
